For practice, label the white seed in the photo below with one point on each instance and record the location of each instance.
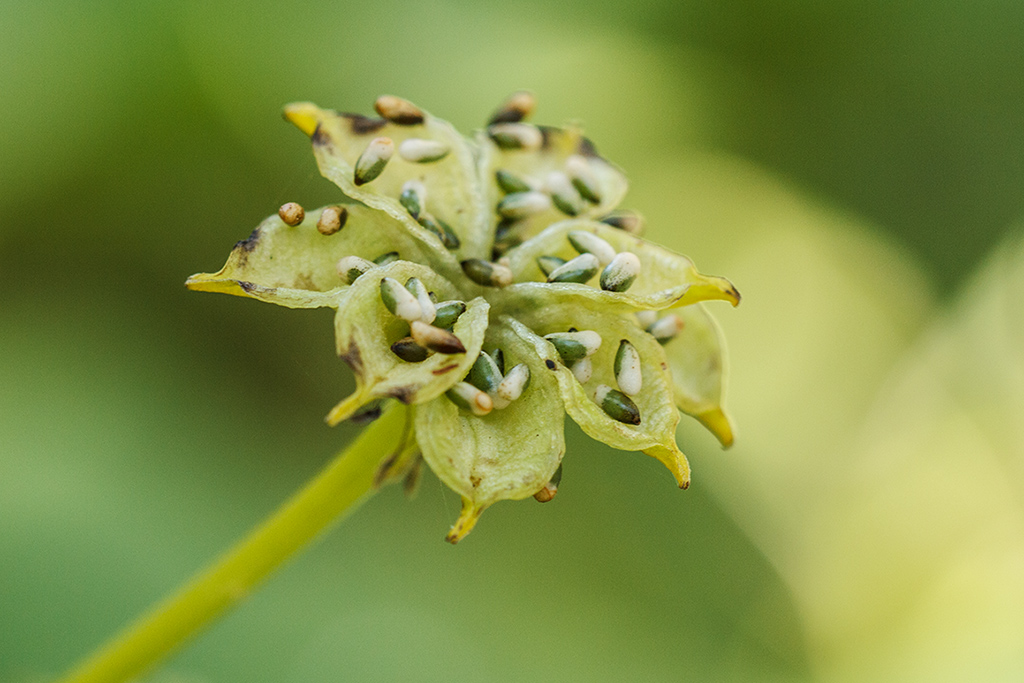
(582, 370)
(511, 387)
(619, 275)
(400, 300)
(332, 219)
(397, 110)
(587, 242)
(646, 318)
(667, 328)
(628, 374)
(291, 213)
(516, 135)
(468, 397)
(563, 194)
(429, 311)
(374, 158)
(351, 267)
(523, 204)
(583, 178)
(420, 151)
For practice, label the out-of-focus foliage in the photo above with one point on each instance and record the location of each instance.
(866, 526)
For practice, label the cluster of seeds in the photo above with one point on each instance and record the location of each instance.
(332, 218)
(620, 269)
(429, 322)
(487, 387)
(576, 347)
(414, 198)
(663, 329)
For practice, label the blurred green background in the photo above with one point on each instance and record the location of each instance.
(855, 168)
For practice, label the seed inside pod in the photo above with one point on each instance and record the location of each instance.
(630, 221)
(619, 275)
(447, 313)
(582, 370)
(413, 197)
(408, 350)
(579, 269)
(499, 359)
(397, 110)
(583, 179)
(587, 242)
(546, 494)
(487, 273)
(563, 194)
(332, 219)
(646, 318)
(420, 151)
(510, 183)
(435, 339)
(484, 374)
(374, 158)
(666, 329)
(547, 264)
(399, 300)
(351, 267)
(291, 213)
(617, 405)
(516, 136)
(417, 289)
(512, 386)
(627, 369)
(517, 107)
(523, 204)
(573, 346)
(386, 258)
(469, 398)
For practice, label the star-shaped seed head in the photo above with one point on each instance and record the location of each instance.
(488, 286)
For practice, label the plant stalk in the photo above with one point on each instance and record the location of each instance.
(343, 484)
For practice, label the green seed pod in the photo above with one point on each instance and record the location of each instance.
(418, 151)
(630, 221)
(487, 273)
(484, 374)
(579, 269)
(573, 346)
(469, 398)
(423, 298)
(351, 267)
(666, 329)
(547, 264)
(523, 204)
(435, 339)
(399, 300)
(384, 259)
(447, 312)
(510, 183)
(617, 405)
(516, 135)
(583, 179)
(587, 242)
(397, 110)
(517, 107)
(413, 198)
(628, 374)
(374, 158)
(619, 275)
(408, 350)
(332, 219)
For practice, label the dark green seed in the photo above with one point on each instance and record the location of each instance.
(510, 183)
(499, 359)
(618, 406)
(579, 269)
(410, 199)
(387, 258)
(447, 313)
(548, 264)
(408, 350)
(484, 374)
(486, 273)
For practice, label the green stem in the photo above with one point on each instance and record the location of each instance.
(338, 489)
